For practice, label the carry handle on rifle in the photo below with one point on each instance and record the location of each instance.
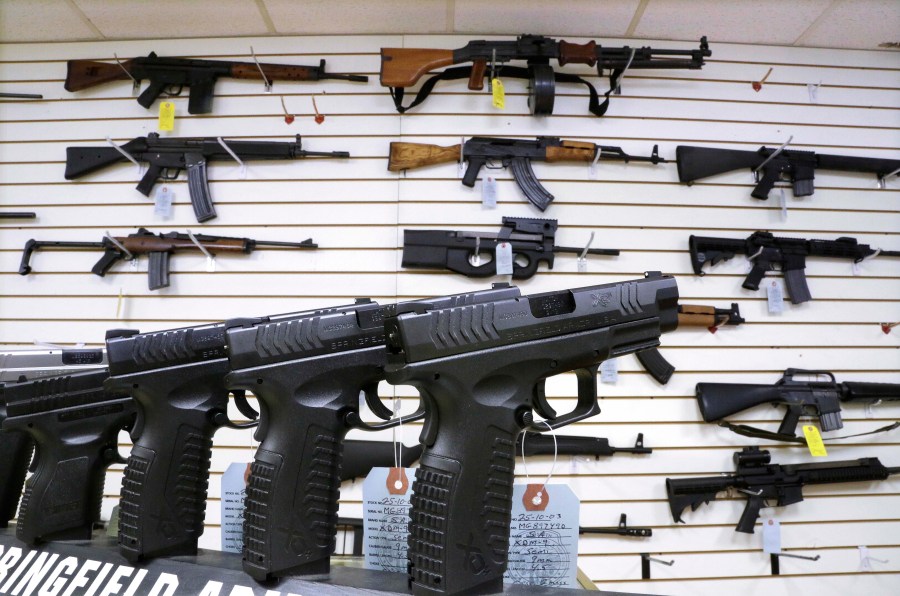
(719, 400)
(198, 187)
(15, 454)
(402, 67)
(167, 474)
(84, 74)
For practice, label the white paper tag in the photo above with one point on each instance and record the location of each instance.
(234, 489)
(489, 192)
(582, 265)
(504, 259)
(162, 201)
(385, 526)
(775, 297)
(813, 90)
(543, 545)
(783, 203)
(609, 371)
(771, 536)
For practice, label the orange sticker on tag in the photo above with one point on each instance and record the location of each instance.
(396, 482)
(536, 497)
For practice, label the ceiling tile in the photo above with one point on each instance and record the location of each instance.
(174, 18)
(563, 17)
(358, 16)
(777, 22)
(41, 20)
(861, 24)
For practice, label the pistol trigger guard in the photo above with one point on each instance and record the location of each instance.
(587, 401)
(541, 404)
(375, 404)
(170, 92)
(417, 415)
(243, 406)
(167, 174)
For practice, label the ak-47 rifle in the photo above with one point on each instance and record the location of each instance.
(516, 154)
(403, 67)
(689, 315)
(157, 246)
(531, 239)
(171, 75)
(168, 156)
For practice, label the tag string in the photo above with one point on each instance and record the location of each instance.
(540, 493)
(398, 443)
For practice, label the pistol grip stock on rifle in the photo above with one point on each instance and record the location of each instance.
(148, 180)
(166, 476)
(476, 77)
(525, 178)
(474, 167)
(15, 455)
(157, 270)
(751, 513)
(756, 275)
(719, 400)
(770, 175)
(198, 187)
(105, 263)
(151, 93)
(403, 67)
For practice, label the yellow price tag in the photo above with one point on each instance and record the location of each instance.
(814, 441)
(167, 116)
(499, 94)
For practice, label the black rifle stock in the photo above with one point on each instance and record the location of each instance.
(171, 75)
(177, 380)
(307, 370)
(819, 398)
(516, 154)
(765, 250)
(403, 67)
(763, 483)
(531, 240)
(75, 425)
(157, 247)
(480, 370)
(168, 156)
(799, 167)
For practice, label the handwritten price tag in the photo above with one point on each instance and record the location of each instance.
(386, 523)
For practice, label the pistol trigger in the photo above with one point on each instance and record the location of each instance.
(430, 426)
(375, 404)
(33, 466)
(243, 406)
(540, 402)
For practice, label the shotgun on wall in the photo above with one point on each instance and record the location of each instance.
(171, 75)
(168, 156)
(403, 67)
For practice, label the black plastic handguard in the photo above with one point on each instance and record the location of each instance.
(177, 380)
(308, 371)
(480, 370)
(75, 426)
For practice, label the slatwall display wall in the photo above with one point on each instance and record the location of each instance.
(356, 210)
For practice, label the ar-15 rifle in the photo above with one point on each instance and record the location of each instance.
(168, 156)
(361, 456)
(821, 399)
(403, 67)
(799, 167)
(766, 251)
(15, 446)
(177, 380)
(75, 425)
(531, 239)
(158, 247)
(481, 371)
(689, 315)
(308, 370)
(171, 75)
(762, 481)
(516, 154)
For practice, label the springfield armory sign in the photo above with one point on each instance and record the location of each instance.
(26, 572)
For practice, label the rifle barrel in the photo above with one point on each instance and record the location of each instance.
(323, 154)
(609, 252)
(308, 243)
(345, 77)
(18, 215)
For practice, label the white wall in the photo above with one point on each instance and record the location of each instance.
(356, 211)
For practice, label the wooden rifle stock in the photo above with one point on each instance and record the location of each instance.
(693, 315)
(84, 74)
(406, 156)
(402, 67)
(153, 243)
(274, 72)
(572, 151)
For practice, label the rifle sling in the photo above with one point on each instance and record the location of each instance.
(759, 433)
(514, 72)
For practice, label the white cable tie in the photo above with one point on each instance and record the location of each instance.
(537, 497)
(199, 245)
(618, 90)
(587, 246)
(122, 66)
(127, 155)
(592, 168)
(759, 252)
(871, 256)
(259, 66)
(462, 161)
(119, 245)
(774, 154)
(233, 155)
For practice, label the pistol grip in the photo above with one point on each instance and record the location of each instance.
(476, 76)
(770, 175)
(15, 455)
(750, 515)
(164, 490)
(149, 95)
(756, 275)
(475, 165)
